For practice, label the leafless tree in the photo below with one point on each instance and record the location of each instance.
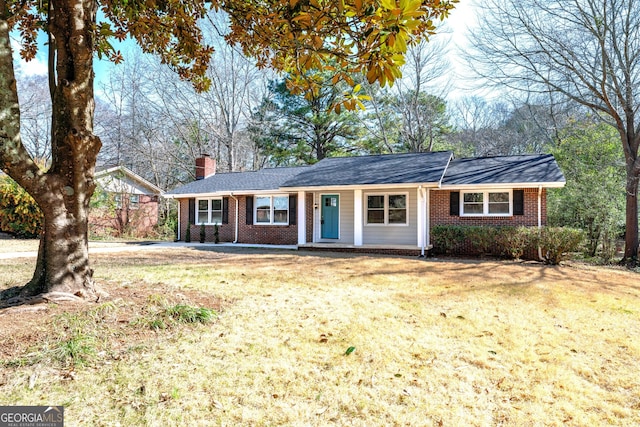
(412, 114)
(586, 50)
(35, 117)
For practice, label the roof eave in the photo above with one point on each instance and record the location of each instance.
(551, 184)
(360, 186)
(131, 175)
(224, 193)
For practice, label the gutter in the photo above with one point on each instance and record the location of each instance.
(236, 230)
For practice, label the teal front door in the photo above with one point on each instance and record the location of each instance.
(330, 220)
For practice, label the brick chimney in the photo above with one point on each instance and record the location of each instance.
(205, 166)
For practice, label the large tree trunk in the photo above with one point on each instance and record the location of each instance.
(63, 193)
(631, 229)
(63, 257)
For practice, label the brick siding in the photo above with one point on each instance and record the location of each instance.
(139, 222)
(259, 234)
(439, 203)
(440, 215)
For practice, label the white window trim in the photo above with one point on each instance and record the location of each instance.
(209, 210)
(271, 210)
(485, 202)
(131, 204)
(365, 202)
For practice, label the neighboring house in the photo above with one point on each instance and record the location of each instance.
(379, 203)
(123, 203)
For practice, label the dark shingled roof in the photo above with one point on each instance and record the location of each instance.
(525, 169)
(386, 169)
(412, 168)
(264, 179)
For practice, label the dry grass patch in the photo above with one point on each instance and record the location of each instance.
(436, 343)
(10, 245)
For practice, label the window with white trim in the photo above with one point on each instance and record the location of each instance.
(486, 203)
(271, 210)
(387, 209)
(209, 211)
(134, 201)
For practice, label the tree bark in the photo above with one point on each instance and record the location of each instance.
(631, 224)
(64, 191)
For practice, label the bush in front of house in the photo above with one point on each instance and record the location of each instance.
(516, 242)
(557, 243)
(19, 213)
(448, 239)
(511, 242)
(187, 234)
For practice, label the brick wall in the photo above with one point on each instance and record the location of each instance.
(309, 215)
(440, 216)
(439, 202)
(267, 234)
(137, 221)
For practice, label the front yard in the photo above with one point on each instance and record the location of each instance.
(319, 339)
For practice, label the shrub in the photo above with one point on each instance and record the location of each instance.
(203, 233)
(447, 239)
(481, 239)
(19, 213)
(187, 233)
(514, 241)
(558, 242)
(510, 242)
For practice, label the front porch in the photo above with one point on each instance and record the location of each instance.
(403, 250)
(372, 220)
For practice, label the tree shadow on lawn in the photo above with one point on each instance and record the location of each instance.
(481, 273)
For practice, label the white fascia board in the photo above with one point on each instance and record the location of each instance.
(502, 185)
(228, 193)
(368, 187)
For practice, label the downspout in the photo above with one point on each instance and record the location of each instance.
(540, 220)
(236, 230)
(425, 219)
(424, 222)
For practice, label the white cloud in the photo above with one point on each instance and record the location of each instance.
(35, 67)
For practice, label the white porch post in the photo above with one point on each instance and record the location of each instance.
(420, 216)
(357, 217)
(302, 222)
(427, 212)
(179, 236)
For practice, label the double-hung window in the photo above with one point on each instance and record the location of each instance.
(134, 201)
(209, 211)
(272, 210)
(387, 209)
(487, 203)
